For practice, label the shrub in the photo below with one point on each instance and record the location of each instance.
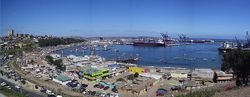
(131, 77)
(136, 75)
(204, 93)
(120, 79)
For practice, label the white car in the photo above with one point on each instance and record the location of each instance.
(103, 94)
(59, 96)
(8, 87)
(38, 76)
(48, 91)
(3, 84)
(115, 94)
(18, 87)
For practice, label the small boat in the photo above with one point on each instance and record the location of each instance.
(164, 61)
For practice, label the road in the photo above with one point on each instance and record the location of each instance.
(12, 85)
(1, 95)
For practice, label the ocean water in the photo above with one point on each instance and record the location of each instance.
(187, 56)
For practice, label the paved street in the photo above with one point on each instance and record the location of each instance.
(12, 85)
(1, 95)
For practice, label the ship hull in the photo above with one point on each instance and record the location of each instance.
(224, 50)
(148, 44)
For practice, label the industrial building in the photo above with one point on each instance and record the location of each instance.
(94, 73)
(138, 70)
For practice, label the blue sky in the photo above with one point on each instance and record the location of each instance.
(195, 18)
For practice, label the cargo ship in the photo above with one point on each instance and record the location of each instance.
(149, 42)
(184, 39)
(166, 41)
(228, 46)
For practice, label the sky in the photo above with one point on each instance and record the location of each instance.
(94, 18)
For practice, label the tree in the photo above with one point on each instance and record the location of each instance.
(32, 61)
(58, 41)
(215, 77)
(58, 62)
(49, 59)
(136, 75)
(1, 72)
(238, 62)
(59, 65)
(120, 79)
(23, 81)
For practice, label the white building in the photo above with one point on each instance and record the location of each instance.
(55, 56)
(203, 73)
(178, 75)
(151, 75)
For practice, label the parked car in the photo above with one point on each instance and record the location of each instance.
(38, 76)
(161, 92)
(107, 95)
(72, 84)
(96, 85)
(93, 93)
(83, 86)
(114, 95)
(18, 87)
(82, 89)
(106, 88)
(43, 90)
(103, 94)
(114, 90)
(51, 95)
(59, 96)
(174, 88)
(48, 92)
(88, 92)
(3, 84)
(101, 86)
(8, 87)
(97, 94)
(84, 92)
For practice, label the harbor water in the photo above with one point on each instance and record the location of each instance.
(186, 56)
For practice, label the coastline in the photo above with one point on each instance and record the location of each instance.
(173, 68)
(165, 59)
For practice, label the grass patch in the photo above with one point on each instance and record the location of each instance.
(172, 82)
(11, 93)
(203, 93)
(14, 64)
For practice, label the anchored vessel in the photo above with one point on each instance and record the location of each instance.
(228, 46)
(166, 41)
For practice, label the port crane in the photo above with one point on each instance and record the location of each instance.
(183, 38)
(166, 38)
(238, 44)
(247, 45)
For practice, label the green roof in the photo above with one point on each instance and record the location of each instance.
(63, 78)
(172, 82)
(91, 71)
(94, 71)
